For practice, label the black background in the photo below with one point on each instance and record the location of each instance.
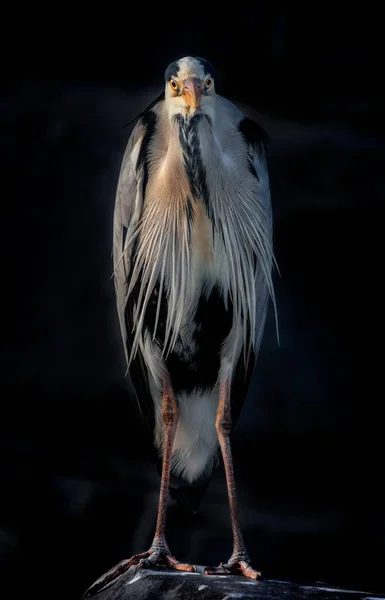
(78, 490)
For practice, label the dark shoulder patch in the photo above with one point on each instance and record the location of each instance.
(171, 71)
(256, 139)
(252, 132)
(149, 123)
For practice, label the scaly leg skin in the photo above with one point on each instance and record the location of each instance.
(239, 562)
(159, 554)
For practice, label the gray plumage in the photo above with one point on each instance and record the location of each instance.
(192, 216)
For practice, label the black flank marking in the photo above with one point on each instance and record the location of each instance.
(199, 370)
(138, 369)
(255, 137)
(149, 122)
(151, 308)
(150, 316)
(196, 173)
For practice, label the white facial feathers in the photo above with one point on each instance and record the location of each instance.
(190, 67)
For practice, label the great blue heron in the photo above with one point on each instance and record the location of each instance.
(193, 264)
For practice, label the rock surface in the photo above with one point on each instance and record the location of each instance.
(162, 584)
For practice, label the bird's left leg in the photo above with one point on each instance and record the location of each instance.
(239, 562)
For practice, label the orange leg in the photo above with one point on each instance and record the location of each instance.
(159, 553)
(239, 562)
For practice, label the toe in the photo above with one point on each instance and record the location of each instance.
(173, 563)
(137, 558)
(248, 571)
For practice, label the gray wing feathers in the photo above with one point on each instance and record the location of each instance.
(264, 285)
(127, 213)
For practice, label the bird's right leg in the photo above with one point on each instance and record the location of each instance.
(159, 553)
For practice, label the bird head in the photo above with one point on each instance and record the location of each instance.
(190, 87)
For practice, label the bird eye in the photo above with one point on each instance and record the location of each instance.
(174, 85)
(208, 83)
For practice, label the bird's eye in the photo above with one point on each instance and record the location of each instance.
(174, 85)
(208, 83)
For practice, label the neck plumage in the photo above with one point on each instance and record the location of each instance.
(192, 158)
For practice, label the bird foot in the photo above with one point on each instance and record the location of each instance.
(156, 556)
(160, 556)
(237, 565)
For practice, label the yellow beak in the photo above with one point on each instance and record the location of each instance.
(192, 91)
